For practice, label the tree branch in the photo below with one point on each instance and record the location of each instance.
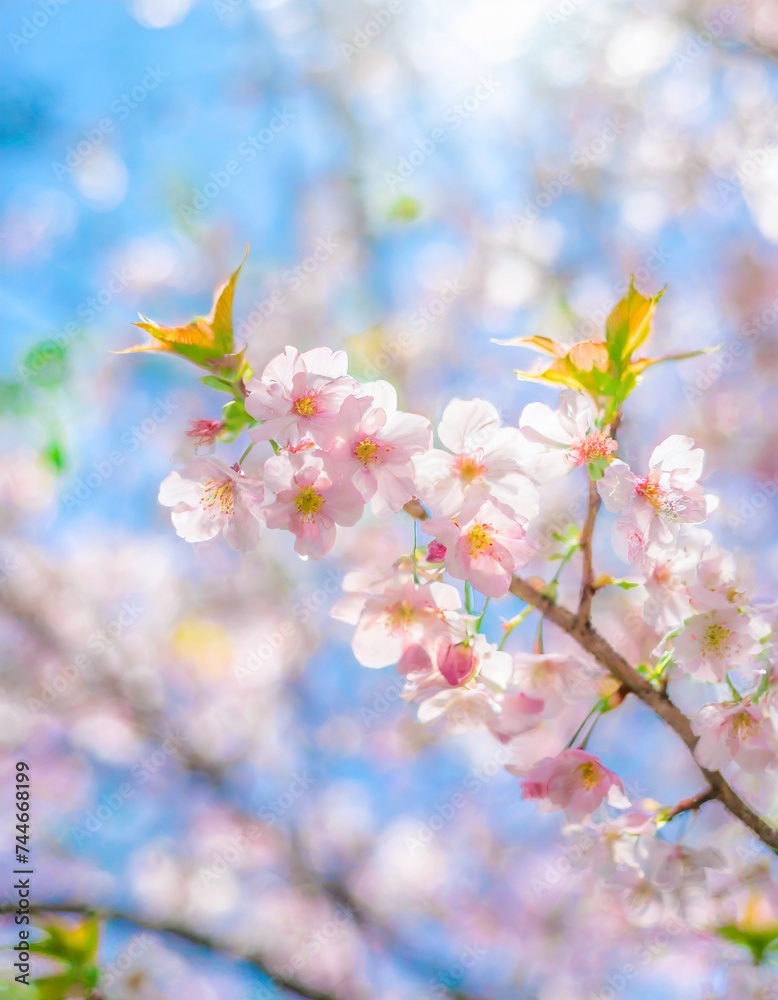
(202, 940)
(692, 804)
(593, 643)
(615, 664)
(586, 540)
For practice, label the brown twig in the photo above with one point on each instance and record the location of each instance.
(691, 804)
(588, 588)
(594, 644)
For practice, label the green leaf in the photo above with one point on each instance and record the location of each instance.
(54, 456)
(219, 384)
(758, 942)
(235, 419)
(46, 363)
(629, 324)
(205, 339)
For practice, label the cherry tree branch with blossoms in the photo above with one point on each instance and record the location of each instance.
(318, 447)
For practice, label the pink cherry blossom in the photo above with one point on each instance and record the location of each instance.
(375, 444)
(208, 497)
(711, 644)
(304, 495)
(483, 457)
(564, 438)
(655, 506)
(393, 614)
(485, 545)
(574, 781)
(556, 679)
(300, 395)
(468, 683)
(734, 731)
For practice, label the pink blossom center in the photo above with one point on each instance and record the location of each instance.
(307, 405)
(743, 725)
(715, 638)
(309, 502)
(222, 494)
(204, 431)
(468, 469)
(651, 492)
(590, 775)
(366, 451)
(595, 445)
(479, 539)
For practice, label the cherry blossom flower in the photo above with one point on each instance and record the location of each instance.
(518, 713)
(734, 731)
(655, 506)
(482, 457)
(558, 680)
(485, 545)
(563, 439)
(304, 495)
(464, 683)
(574, 781)
(711, 644)
(374, 446)
(300, 395)
(393, 614)
(208, 497)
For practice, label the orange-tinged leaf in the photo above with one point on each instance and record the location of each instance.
(640, 364)
(629, 323)
(152, 346)
(205, 338)
(589, 354)
(545, 345)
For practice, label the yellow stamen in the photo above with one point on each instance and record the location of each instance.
(309, 502)
(365, 451)
(219, 493)
(590, 775)
(715, 638)
(479, 538)
(468, 469)
(305, 406)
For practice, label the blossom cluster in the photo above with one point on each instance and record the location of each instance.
(334, 446)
